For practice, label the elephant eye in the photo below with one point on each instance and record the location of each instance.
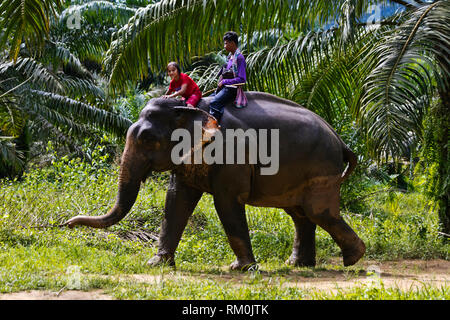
(146, 133)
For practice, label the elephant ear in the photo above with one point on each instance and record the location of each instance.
(186, 118)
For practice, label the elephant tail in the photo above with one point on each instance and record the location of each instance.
(352, 160)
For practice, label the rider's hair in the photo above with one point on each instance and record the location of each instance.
(174, 64)
(231, 36)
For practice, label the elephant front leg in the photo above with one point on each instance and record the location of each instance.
(231, 186)
(232, 215)
(181, 201)
(304, 247)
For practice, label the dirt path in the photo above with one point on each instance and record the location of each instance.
(404, 274)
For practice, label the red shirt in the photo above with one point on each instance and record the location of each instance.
(192, 87)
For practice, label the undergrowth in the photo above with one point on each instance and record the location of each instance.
(35, 253)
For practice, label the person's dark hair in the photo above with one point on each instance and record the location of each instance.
(231, 36)
(175, 65)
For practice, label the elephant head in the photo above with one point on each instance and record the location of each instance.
(148, 148)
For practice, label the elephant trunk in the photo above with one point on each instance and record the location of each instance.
(129, 184)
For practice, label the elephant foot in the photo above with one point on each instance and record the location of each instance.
(161, 260)
(352, 255)
(244, 266)
(300, 262)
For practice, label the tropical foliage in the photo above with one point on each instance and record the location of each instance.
(377, 70)
(49, 82)
(326, 55)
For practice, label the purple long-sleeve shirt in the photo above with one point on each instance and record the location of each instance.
(241, 76)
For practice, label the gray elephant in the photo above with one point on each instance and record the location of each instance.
(311, 167)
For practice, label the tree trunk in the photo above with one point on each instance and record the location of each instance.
(444, 172)
(443, 115)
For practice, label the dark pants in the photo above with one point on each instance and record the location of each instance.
(224, 96)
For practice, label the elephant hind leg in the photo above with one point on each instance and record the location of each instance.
(322, 208)
(304, 247)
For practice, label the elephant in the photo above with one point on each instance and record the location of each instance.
(313, 163)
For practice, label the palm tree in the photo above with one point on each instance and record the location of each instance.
(322, 54)
(86, 28)
(412, 68)
(326, 57)
(46, 90)
(26, 22)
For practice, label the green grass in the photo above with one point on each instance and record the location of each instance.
(32, 259)
(268, 290)
(36, 254)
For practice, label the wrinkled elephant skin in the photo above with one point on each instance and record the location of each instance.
(312, 161)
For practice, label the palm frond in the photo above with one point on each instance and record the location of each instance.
(86, 28)
(26, 20)
(206, 76)
(82, 89)
(11, 159)
(280, 68)
(401, 85)
(195, 27)
(57, 54)
(85, 113)
(93, 12)
(29, 68)
(59, 119)
(11, 117)
(43, 129)
(327, 89)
